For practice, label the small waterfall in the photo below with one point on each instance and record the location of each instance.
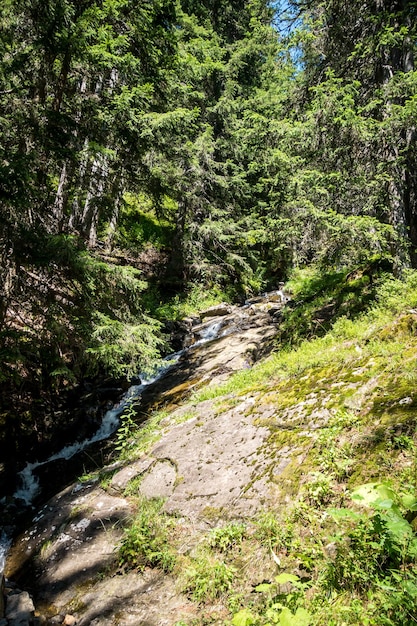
(5, 542)
(209, 333)
(29, 483)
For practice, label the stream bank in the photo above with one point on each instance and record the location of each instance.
(220, 342)
(267, 484)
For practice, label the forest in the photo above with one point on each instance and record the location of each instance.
(160, 155)
(157, 158)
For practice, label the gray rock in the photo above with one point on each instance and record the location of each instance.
(214, 311)
(206, 464)
(19, 609)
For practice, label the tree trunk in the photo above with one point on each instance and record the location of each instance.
(59, 204)
(400, 152)
(90, 216)
(118, 194)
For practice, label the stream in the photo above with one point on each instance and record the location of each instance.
(229, 322)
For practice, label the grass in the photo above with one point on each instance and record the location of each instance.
(197, 299)
(342, 563)
(145, 542)
(367, 335)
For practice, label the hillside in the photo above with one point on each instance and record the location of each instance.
(284, 494)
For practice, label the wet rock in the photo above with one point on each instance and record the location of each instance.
(191, 321)
(202, 465)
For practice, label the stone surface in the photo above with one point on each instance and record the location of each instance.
(206, 462)
(19, 608)
(217, 310)
(1, 595)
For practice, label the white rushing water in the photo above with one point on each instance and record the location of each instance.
(29, 483)
(29, 486)
(5, 542)
(209, 333)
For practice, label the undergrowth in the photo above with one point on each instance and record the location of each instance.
(340, 546)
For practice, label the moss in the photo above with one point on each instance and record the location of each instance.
(212, 513)
(133, 486)
(403, 327)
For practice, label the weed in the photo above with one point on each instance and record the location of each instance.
(125, 436)
(45, 548)
(272, 532)
(208, 578)
(319, 489)
(145, 542)
(133, 486)
(227, 538)
(284, 597)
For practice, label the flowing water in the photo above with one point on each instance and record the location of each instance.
(211, 330)
(29, 483)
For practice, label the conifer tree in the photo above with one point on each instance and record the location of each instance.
(359, 87)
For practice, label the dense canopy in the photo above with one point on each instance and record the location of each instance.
(154, 149)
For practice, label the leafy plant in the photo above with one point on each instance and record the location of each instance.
(287, 589)
(208, 578)
(145, 541)
(125, 439)
(372, 546)
(227, 538)
(272, 532)
(319, 489)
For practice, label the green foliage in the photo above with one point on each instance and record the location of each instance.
(319, 299)
(145, 542)
(286, 589)
(271, 532)
(125, 435)
(352, 112)
(123, 349)
(227, 537)
(208, 578)
(140, 227)
(198, 298)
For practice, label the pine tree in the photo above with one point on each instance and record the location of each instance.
(359, 58)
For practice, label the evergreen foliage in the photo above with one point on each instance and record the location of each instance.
(166, 147)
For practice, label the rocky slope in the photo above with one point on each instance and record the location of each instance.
(245, 468)
(74, 537)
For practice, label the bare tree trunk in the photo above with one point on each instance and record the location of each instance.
(400, 151)
(59, 204)
(118, 195)
(90, 216)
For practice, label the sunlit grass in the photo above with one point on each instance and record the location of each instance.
(348, 340)
(359, 443)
